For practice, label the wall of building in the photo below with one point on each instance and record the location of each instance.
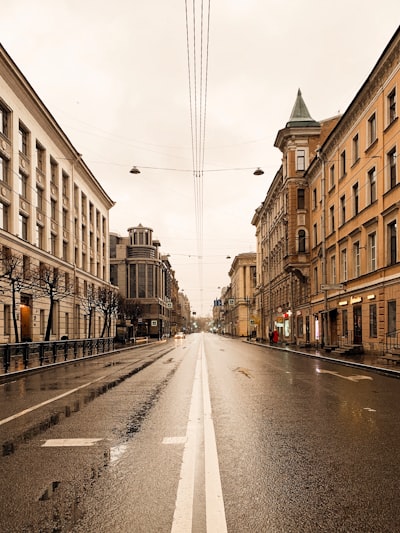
(52, 209)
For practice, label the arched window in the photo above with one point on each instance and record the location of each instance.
(302, 241)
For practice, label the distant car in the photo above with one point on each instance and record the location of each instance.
(180, 335)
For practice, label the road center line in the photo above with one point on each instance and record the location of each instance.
(200, 418)
(183, 515)
(39, 405)
(215, 510)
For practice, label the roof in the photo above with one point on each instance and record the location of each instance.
(300, 115)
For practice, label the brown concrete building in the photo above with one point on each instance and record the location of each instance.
(144, 275)
(327, 240)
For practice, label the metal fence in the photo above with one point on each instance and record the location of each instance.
(25, 355)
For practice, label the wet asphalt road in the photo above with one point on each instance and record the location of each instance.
(285, 444)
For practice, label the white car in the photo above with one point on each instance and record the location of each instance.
(180, 335)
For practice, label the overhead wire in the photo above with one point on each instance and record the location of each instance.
(198, 77)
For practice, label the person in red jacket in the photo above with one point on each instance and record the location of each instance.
(275, 336)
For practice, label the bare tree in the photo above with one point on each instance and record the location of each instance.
(12, 273)
(90, 304)
(107, 304)
(50, 282)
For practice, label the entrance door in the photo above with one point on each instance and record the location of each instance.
(25, 314)
(307, 329)
(357, 324)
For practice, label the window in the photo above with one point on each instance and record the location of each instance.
(343, 266)
(315, 234)
(333, 269)
(332, 217)
(53, 171)
(3, 216)
(39, 198)
(23, 138)
(52, 244)
(372, 252)
(302, 241)
(332, 176)
(343, 168)
(314, 197)
(356, 149)
(7, 319)
(64, 219)
(373, 329)
(372, 185)
(65, 184)
(4, 120)
(4, 168)
(23, 184)
(316, 279)
(392, 243)
(355, 199)
(300, 159)
(356, 259)
(372, 129)
(300, 199)
(342, 210)
(65, 251)
(53, 209)
(23, 227)
(391, 161)
(391, 106)
(40, 157)
(391, 309)
(39, 236)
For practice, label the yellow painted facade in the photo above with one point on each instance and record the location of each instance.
(328, 255)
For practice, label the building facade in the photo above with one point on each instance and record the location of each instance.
(327, 242)
(54, 217)
(234, 313)
(145, 276)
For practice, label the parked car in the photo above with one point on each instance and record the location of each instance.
(180, 335)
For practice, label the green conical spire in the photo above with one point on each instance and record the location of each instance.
(300, 115)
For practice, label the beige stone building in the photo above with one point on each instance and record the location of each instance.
(237, 300)
(53, 212)
(327, 240)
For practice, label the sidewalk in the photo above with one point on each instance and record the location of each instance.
(366, 361)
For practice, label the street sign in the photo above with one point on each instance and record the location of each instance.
(332, 287)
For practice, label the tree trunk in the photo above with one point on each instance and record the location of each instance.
(14, 314)
(49, 321)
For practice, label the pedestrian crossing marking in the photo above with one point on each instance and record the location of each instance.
(57, 443)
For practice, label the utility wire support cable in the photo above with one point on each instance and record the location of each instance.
(198, 77)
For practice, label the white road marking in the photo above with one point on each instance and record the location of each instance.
(30, 409)
(182, 520)
(59, 443)
(370, 409)
(200, 418)
(215, 510)
(355, 378)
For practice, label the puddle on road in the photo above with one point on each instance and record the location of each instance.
(116, 452)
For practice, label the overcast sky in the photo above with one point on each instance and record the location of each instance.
(115, 76)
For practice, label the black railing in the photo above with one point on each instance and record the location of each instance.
(25, 355)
